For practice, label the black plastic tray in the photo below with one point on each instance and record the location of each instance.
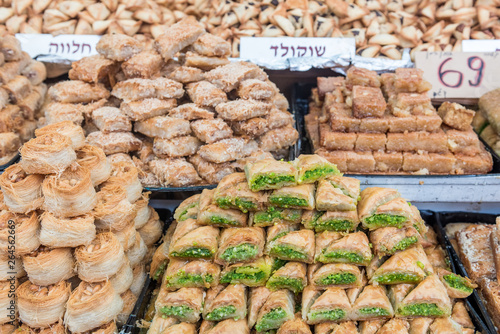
(444, 218)
(300, 106)
(11, 162)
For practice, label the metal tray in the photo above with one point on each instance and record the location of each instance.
(444, 218)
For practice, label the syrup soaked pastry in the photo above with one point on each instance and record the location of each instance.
(314, 167)
(276, 310)
(228, 149)
(143, 109)
(328, 305)
(64, 92)
(291, 276)
(233, 192)
(178, 36)
(205, 94)
(286, 243)
(225, 302)
(190, 274)
(211, 214)
(138, 89)
(372, 303)
(22, 192)
(118, 47)
(191, 240)
(243, 244)
(332, 247)
(184, 304)
(93, 69)
(341, 275)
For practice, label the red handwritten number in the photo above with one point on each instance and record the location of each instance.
(479, 69)
(442, 74)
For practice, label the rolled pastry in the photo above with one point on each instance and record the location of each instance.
(152, 230)
(139, 279)
(42, 306)
(70, 193)
(92, 305)
(254, 273)
(278, 308)
(47, 266)
(184, 304)
(341, 275)
(143, 211)
(94, 159)
(242, 244)
(123, 279)
(330, 197)
(191, 274)
(339, 221)
(272, 215)
(330, 305)
(113, 210)
(6, 263)
(66, 128)
(66, 232)
(126, 236)
(225, 302)
(47, 154)
(188, 208)
(137, 252)
(292, 276)
(352, 248)
(27, 233)
(100, 260)
(193, 241)
(127, 175)
(233, 192)
(160, 257)
(8, 312)
(22, 192)
(313, 167)
(211, 214)
(129, 300)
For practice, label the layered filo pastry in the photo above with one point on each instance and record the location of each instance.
(66, 232)
(211, 214)
(340, 221)
(27, 232)
(113, 211)
(295, 326)
(255, 273)
(312, 167)
(287, 242)
(225, 302)
(446, 325)
(92, 305)
(383, 207)
(46, 266)
(184, 304)
(160, 258)
(267, 174)
(291, 276)
(341, 275)
(456, 285)
(233, 192)
(161, 324)
(273, 215)
(67, 128)
(22, 192)
(428, 299)
(408, 266)
(389, 240)
(319, 306)
(94, 159)
(225, 326)
(127, 175)
(346, 327)
(192, 240)
(395, 326)
(372, 303)
(55, 328)
(294, 197)
(269, 310)
(188, 208)
(333, 247)
(240, 244)
(190, 274)
(337, 193)
(461, 315)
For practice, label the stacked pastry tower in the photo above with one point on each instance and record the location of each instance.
(21, 96)
(194, 118)
(487, 121)
(353, 125)
(283, 237)
(83, 233)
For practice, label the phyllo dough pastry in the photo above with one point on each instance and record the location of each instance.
(205, 94)
(194, 241)
(339, 221)
(352, 248)
(346, 327)
(228, 149)
(233, 192)
(176, 147)
(66, 232)
(138, 89)
(188, 208)
(191, 112)
(456, 285)
(163, 127)
(211, 130)
(278, 308)
(211, 214)
(341, 275)
(395, 326)
(22, 192)
(372, 303)
(9, 146)
(66, 128)
(295, 326)
(145, 64)
(313, 167)
(229, 326)
(225, 302)
(190, 274)
(288, 243)
(296, 197)
(160, 258)
(77, 92)
(118, 47)
(273, 215)
(382, 207)
(446, 325)
(111, 119)
(114, 142)
(270, 174)
(228, 77)
(113, 211)
(243, 244)
(330, 197)
(388, 240)
(321, 306)
(143, 109)
(178, 36)
(428, 299)
(291, 276)
(254, 273)
(175, 172)
(241, 110)
(184, 304)
(93, 69)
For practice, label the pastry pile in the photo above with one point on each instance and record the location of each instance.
(83, 234)
(478, 246)
(186, 121)
(289, 245)
(21, 95)
(487, 121)
(366, 123)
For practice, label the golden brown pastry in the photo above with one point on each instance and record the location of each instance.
(22, 192)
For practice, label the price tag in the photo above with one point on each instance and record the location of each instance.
(460, 74)
(300, 47)
(70, 47)
(481, 45)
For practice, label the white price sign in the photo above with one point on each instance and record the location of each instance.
(70, 47)
(291, 47)
(460, 74)
(481, 45)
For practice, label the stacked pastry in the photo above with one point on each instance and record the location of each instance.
(487, 121)
(194, 118)
(283, 237)
(76, 230)
(367, 123)
(21, 96)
